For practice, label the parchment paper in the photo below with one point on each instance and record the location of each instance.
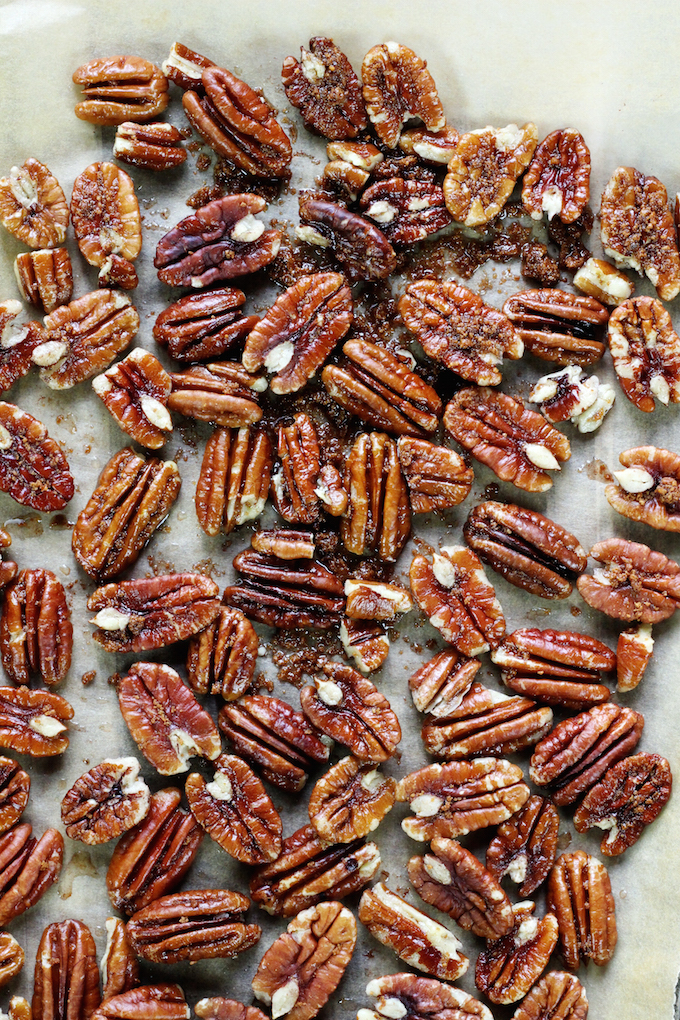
(611, 70)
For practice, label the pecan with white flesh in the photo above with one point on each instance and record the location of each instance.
(222, 657)
(45, 277)
(580, 896)
(557, 326)
(397, 87)
(33, 469)
(484, 169)
(633, 583)
(437, 478)
(160, 1002)
(509, 966)
(599, 279)
(358, 245)
(557, 181)
(219, 1008)
(204, 326)
(17, 344)
(645, 350)
(36, 635)
(378, 518)
(120, 88)
(33, 722)
(286, 543)
(557, 996)
(233, 483)
(303, 483)
(568, 396)
(375, 600)
(221, 392)
(105, 802)
(11, 958)
(28, 867)
(286, 593)
(107, 223)
(525, 846)
(648, 488)
(185, 66)
(366, 643)
(33, 206)
(15, 785)
(119, 968)
(633, 652)
(350, 801)
(66, 977)
(407, 211)
(325, 89)
(438, 686)
(156, 146)
(416, 998)
(135, 393)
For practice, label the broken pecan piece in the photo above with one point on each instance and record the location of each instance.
(32, 205)
(107, 223)
(160, 1002)
(557, 181)
(45, 277)
(221, 392)
(33, 469)
(525, 846)
(580, 897)
(135, 392)
(509, 966)
(633, 583)
(11, 958)
(557, 996)
(16, 347)
(119, 968)
(156, 146)
(28, 867)
(397, 87)
(234, 480)
(557, 326)
(407, 211)
(648, 489)
(120, 88)
(66, 978)
(286, 543)
(36, 635)
(286, 593)
(360, 247)
(375, 600)
(418, 998)
(437, 478)
(105, 802)
(645, 350)
(364, 642)
(350, 801)
(201, 327)
(325, 89)
(378, 518)
(484, 169)
(633, 652)
(33, 722)
(565, 395)
(599, 279)
(438, 686)
(219, 1008)
(15, 785)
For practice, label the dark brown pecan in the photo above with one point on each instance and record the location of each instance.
(525, 847)
(16, 347)
(380, 388)
(578, 751)
(219, 241)
(519, 445)
(538, 264)
(509, 966)
(273, 737)
(397, 87)
(159, 1002)
(417, 939)
(458, 797)
(33, 722)
(438, 686)
(362, 249)
(152, 612)
(419, 998)
(302, 484)
(325, 89)
(36, 635)
(200, 327)
(459, 601)
(437, 478)
(527, 549)
(648, 489)
(233, 484)
(628, 798)
(350, 801)
(32, 205)
(310, 870)
(107, 223)
(11, 958)
(300, 971)
(599, 279)
(567, 395)
(456, 328)
(638, 231)
(135, 392)
(222, 658)
(15, 785)
(645, 350)
(367, 644)
(378, 518)
(347, 707)
(580, 897)
(105, 802)
(119, 968)
(45, 277)
(557, 326)
(152, 859)
(28, 867)
(407, 211)
(484, 169)
(633, 583)
(557, 996)
(219, 1008)
(235, 811)
(156, 146)
(33, 470)
(120, 88)
(452, 880)
(375, 600)
(633, 652)
(221, 392)
(572, 253)
(557, 181)
(66, 980)
(286, 593)
(132, 500)
(8, 569)
(164, 718)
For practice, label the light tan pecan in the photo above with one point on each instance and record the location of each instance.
(557, 996)
(286, 593)
(519, 445)
(458, 797)
(484, 169)
(119, 968)
(17, 344)
(375, 600)
(11, 958)
(135, 392)
(28, 867)
(360, 247)
(203, 326)
(156, 146)
(152, 858)
(645, 350)
(32, 205)
(580, 897)
(459, 601)
(525, 846)
(233, 484)
(33, 722)
(633, 652)
(310, 870)
(567, 395)
(509, 966)
(222, 658)
(418, 998)
(302, 968)
(407, 210)
(120, 88)
(105, 802)
(36, 635)
(397, 86)
(417, 939)
(366, 643)
(633, 583)
(15, 785)
(378, 518)
(325, 89)
(33, 469)
(557, 181)
(132, 500)
(439, 685)
(45, 277)
(221, 392)
(304, 482)
(350, 801)
(66, 980)
(648, 488)
(107, 223)
(437, 478)
(599, 279)
(558, 326)
(164, 718)
(148, 1002)
(219, 1008)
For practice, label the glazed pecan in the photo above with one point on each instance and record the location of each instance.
(484, 169)
(219, 1008)
(11, 958)
(271, 735)
(360, 247)
(519, 445)
(438, 686)
(417, 939)
(633, 652)
(580, 897)
(637, 229)
(645, 350)
(235, 811)
(28, 867)
(105, 802)
(578, 751)
(286, 543)
(437, 478)
(350, 801)
(156, 146)
(219, 241)
(509, 966)
(310, 870)
(375, 600)
(159, 1002)
(164, 718)
(19, 1008)
(301, 970)
(599, 279)
(221, 392)
(33, 469)
(32, 205)
(538, 264)
(527, 549)
(33, 722)
(459, 601)
(525, 846)
(633, 583)
(152, 612)
(184, 66)
(565, 395)
(17, 346)
(152, 859)
(648, 489)
(452, 880)
(201, 327)
(119, 968)
(8, 569)
(350, 166)
(286, 593)
(456, 328)
(107, 224)
(120, 88)
(378, 518)
(417, 998)
(15, 785)
(66, 980)
(302, 485)
(84, 337)
(627, 799)
(45, 277)
(557, 996)
(406, 211)
(364, 642)
(135, 392)
(131, 502)
(397, 87)
(36, 635)
(222, 658)
(347, 707)
(325, 89)
(557, 326)
(458, 797)
(557, 181)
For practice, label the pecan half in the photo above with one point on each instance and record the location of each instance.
(637, 229)
(15, 785)
(222, 658)
(648, 489)
(286, 543)
(418, 998)
(33, 470)
(132, 500)
(156, 146)
(484, 169)
(438, 686)
(201, 327)
(11, 958)
(557, 181)
(456, 328)
(219, 241)
(525, 847)
(107, 223)
(33, 722)
(164, 718)
(300, 971)
(437, 478)
(105, 802)
(32, 205)
(398, 86)
(459, 601)
(325, 89)
(375, 600)
(367, 644)
(135, 392)
(119, 968)
(378, 518)
(565, 395)
(599, 279)
(645, 350)
(45, 277)
(407, 211)
(302, 485)
(184, 66)
(152, 612)
(360, 247)
(417, 939)
(458, 797)
(633, 652)
(286, 593)
(580, 897)
(17, 346)
(351, 165)
(628, 798)
(219, 1008)
(66, 980)
(8, 569)
(557, 326)
(519, 445)
(310, 870)
(120, 88)
(350, 801)
(221, 392)
(160, 1002)
(557, 996)
(28, 867)
(152, 858)
(527, 549)
(633, 583)
(509, 966)
(36, 635)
